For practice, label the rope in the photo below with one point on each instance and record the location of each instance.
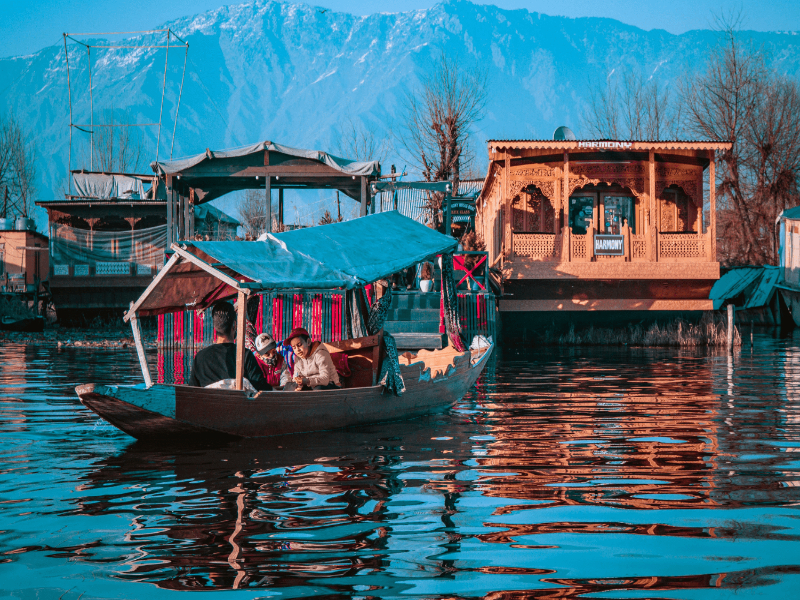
(180, 93)
(163, 93)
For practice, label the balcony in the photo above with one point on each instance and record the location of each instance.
(658, 247)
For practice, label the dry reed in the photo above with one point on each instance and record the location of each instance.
(712, 330)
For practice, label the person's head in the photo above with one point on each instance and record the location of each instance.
(300, 342)
(224, 318)
(266, 347)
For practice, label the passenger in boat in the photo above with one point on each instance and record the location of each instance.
(218, 362)
(313, 365)
(271, 362)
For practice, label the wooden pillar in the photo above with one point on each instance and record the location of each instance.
(186, 218)
(712, 208)
(565, 193)
(651, 230)
(448, 217)
(363, 211)
(268, 200)
(240, 329)
(507, 220)
(280, 207)
(191, 213)
(170, 236)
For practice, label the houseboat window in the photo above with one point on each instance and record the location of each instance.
(581, 213)
(618, 209)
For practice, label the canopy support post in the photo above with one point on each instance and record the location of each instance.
(268, 200)
(280, 208)
(240, 325)
(170, 236)
(364, 197)
(137, 338)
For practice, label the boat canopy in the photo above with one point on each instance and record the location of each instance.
(336, 256)
(348, 167)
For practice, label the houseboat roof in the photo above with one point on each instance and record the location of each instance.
(215, 173)
(610, 144)
(343, 165)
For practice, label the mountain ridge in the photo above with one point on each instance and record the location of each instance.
(289, 73)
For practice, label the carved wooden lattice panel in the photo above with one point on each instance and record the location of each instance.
(579, 247)
(639, 247)
(667, 216)
(537, 245)
(681, 246)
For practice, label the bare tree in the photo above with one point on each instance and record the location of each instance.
(327, 218)
(354, 139)
(740, 100)
(253, 213)
(17, 167)
(438, 120)
(632, 108)
(118, 148)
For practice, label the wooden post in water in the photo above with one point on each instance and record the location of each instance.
(730, 326)
(240, 325)
(137, 339)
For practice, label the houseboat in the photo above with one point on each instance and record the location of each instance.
(596, 232)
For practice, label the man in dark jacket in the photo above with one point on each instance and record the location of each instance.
(218, 361)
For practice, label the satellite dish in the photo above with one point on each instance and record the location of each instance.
(563, 133)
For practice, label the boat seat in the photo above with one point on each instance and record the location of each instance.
(363, 359)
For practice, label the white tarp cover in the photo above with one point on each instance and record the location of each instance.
(348, 167)
(106, 187)
(339, 255)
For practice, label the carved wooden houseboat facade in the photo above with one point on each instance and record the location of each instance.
(601, 225)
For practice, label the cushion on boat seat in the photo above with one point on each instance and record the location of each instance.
(342, 364)
(361, 357)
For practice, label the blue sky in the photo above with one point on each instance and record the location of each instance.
(29, 25)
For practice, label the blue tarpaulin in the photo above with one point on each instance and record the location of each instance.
(339, 255)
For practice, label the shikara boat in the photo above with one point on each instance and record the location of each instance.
(332, 256)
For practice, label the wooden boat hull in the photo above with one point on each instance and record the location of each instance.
(28, 325)
(176, 411)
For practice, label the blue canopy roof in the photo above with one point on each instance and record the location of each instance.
(340, 255)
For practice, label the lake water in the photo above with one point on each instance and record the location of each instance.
(576, 473)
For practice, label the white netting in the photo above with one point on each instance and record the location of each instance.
(110, 252)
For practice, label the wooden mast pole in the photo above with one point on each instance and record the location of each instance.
(240, 325)
(137, 338)
(712, 207)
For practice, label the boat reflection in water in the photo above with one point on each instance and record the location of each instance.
(632, 473)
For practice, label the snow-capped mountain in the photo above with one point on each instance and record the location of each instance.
(292, 72)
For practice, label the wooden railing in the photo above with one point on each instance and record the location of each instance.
(644, 247)
(680, 247)
(543, 246)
